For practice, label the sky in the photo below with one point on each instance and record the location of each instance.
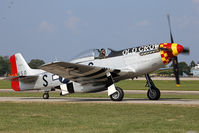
(61, 29)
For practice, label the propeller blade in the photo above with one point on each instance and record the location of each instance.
(171, 36)
(176, 70)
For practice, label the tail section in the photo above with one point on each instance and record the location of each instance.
(20, 72)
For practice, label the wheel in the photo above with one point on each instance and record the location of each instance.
(117, 96)
(45, 95)
(153, 94)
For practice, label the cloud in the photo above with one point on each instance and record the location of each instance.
(72, 23)
(46, 27)
(143, 23)
(196, 5)
(195, 1)
(69, 12)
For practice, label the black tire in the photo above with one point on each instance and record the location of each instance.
(117, 96)
(45, 95)
(153, 94)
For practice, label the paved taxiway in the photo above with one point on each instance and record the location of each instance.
(107, 100)
(125, 91)
(101, 100)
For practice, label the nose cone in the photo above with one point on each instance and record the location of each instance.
(176, 49)
(179, 48)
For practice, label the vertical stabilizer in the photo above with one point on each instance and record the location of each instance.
(19, 66)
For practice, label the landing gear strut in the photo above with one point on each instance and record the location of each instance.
(46, 95)
(118, 95)
(153, 93)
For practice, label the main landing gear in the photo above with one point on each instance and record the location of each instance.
(153, 93)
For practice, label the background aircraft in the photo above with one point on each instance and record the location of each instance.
(98, 71)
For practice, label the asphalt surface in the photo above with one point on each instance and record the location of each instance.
(107, 100)
(101, 100)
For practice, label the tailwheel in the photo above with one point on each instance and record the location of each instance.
(153, 94)
(117, 96)
(46, 95)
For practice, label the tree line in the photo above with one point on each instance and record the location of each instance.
(184, 68)
(5, 65)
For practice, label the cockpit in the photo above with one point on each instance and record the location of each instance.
(96, 54)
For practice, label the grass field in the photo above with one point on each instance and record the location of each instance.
(161, 84)
(5, 84)
(19, 117)
(140, 85)
(97, 118)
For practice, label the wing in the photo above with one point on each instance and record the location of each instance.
(79, 73)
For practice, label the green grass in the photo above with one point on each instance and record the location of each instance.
(97, 118)
(189, 85)
(5, 84)
(140, 85)
(100, 118)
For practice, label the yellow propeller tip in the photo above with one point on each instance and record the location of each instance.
(178, 85)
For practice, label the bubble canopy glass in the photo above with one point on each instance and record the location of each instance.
(94, 53)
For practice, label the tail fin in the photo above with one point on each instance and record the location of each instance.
(19, 67)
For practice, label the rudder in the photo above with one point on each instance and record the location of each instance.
(14, 81)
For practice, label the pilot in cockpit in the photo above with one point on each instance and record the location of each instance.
(102, 53)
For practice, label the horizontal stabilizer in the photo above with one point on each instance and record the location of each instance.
(24, 79)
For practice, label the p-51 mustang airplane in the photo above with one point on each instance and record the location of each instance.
(99, 71)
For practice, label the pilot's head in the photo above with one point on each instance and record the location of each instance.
(103, 51)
